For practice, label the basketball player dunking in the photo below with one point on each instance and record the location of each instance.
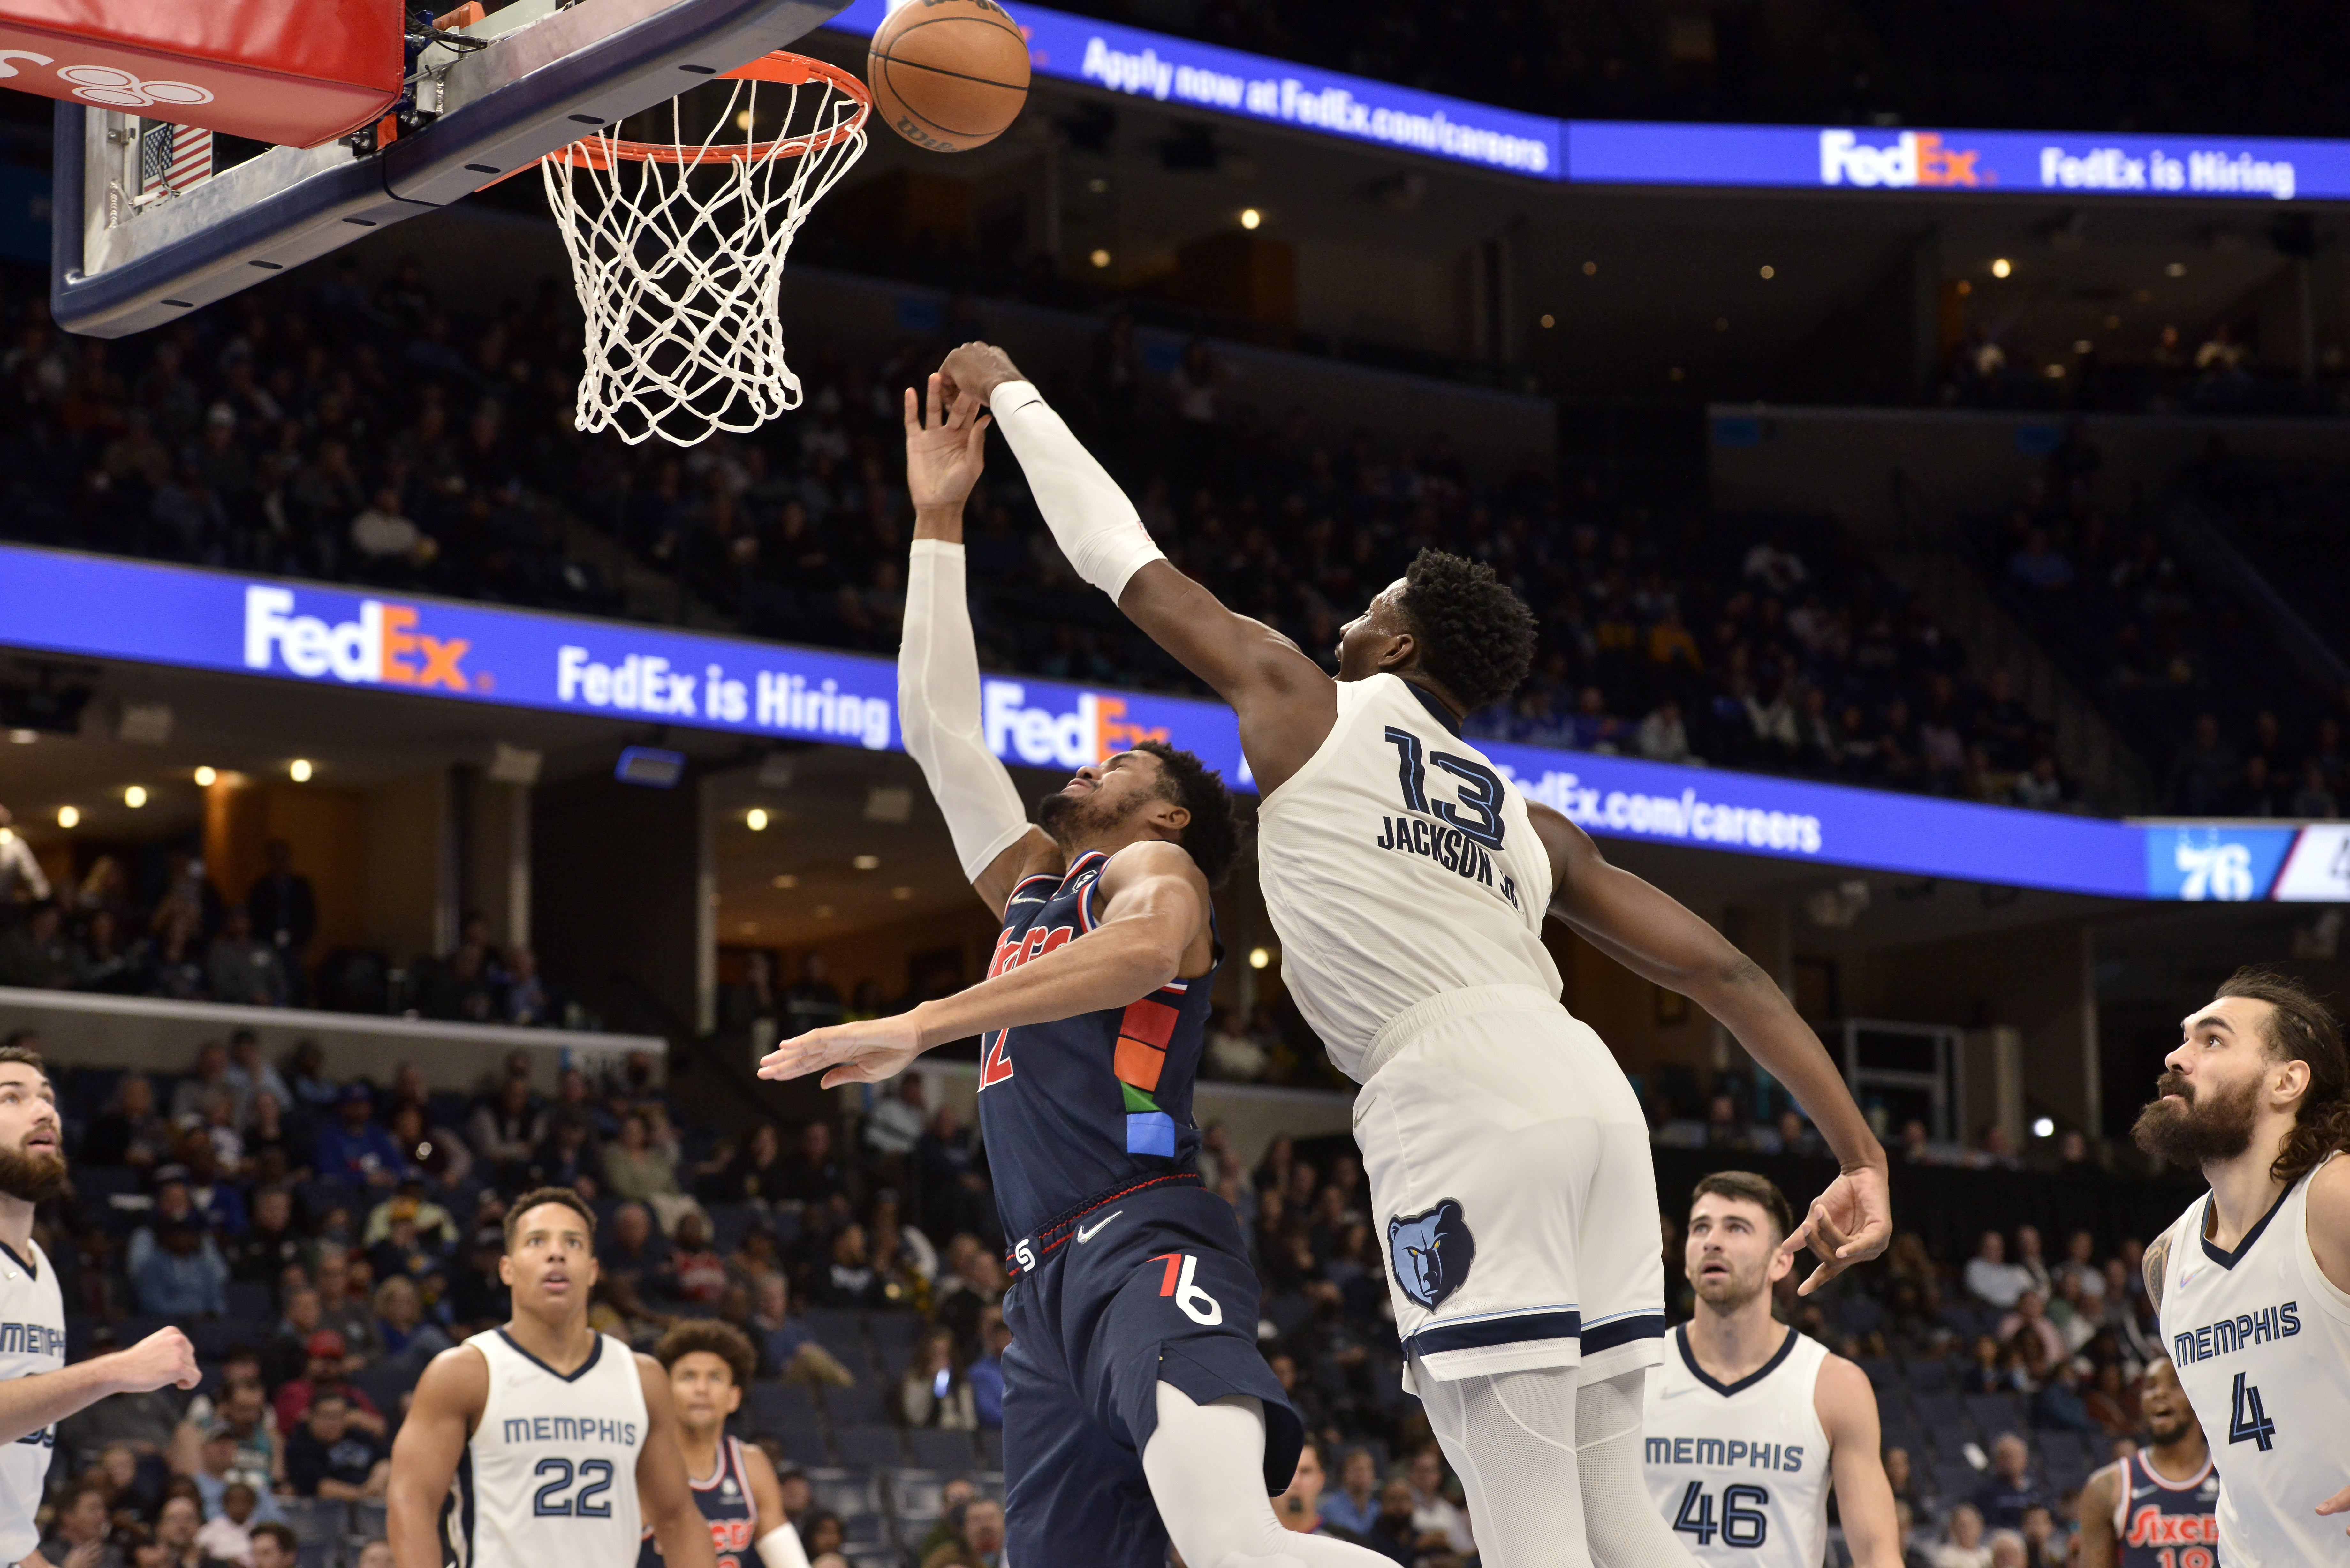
(1136, 1404)
(1749, 1421)
(37, 1389)
(1408, 880)
(2158, 1507)
(543, 1441)
(709, 1365)
(2252, 1283)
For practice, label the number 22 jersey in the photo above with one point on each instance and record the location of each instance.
(1398, 865)
(550, 1474)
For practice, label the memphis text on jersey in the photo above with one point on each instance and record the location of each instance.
(569, 1430)
(1786, 1459)
(2233, 1333)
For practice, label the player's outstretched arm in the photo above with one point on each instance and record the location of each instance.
(1155, 909)
(778, 1544)
(938, 660)
(1847, 1411)
(1659, 939)
(27, 1405)
(663, 1494)
(449, 1399)
(2098, 1548)
(1284, 701)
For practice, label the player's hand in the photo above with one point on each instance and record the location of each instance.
(164, 1357)
(1849, 1224)
(2338, 1503)
(978, 368)
(945, 454)
(865, 1052)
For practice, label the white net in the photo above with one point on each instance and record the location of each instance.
(678, 250)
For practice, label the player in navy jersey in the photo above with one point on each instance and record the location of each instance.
(2158, 1507)
(709, 1365)
(1136, 1404)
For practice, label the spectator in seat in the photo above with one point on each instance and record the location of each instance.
(343, 1306)
(700, 1271)
(401, 1324)
(954, 1497)
(1963, 1546)
(2009, 1490)
(787, 1349)
(568, 1157)
(637, 1166)
(849, 1279)
(1299, 1506)
(814, 1001)
(934, 1392)
(275, 1546)
(955, 1195)
(36, 954)
(242, 969)
(270, 1240)
(2112, 1403)
(754, 1174)
(2204, 773)
(218, 1470)
(22, 881)
(1394, 1531)
(1442, 1526)
(2039, 567)
(979, 1545)
(285, 910)
(330, 1456)
(1991, 1278)
(176, 1523)
(811, 1174)
(128, 1131)
(208, 1077)
(354, 1148)
(80, 1532)
(1662, 737)
(312, 1086)
(176, 1271)
(2031, 1316)
(986, 1373)
(635, 1260)
(478, 1298)
(505, 1128)
(223, 1537)
(2058, 1406)
(286, 1355)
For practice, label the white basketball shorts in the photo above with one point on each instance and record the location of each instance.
(1513, 1189)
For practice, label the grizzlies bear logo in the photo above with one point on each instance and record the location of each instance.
(1431, 1252)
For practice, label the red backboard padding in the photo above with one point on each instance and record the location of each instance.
(295, 72)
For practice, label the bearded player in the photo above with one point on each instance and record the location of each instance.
(37, 1389)
(2252, 1284)
(1136, 1403)
(543, 1441)
(710, 1364)
(1748, 1421)
(1408, 880)
(2155, 1508)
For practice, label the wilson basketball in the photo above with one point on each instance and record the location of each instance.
(948, 75)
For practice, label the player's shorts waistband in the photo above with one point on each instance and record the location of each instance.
(1048, 1238)
(1472, 1001)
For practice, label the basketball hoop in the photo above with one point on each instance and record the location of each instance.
(677, 249)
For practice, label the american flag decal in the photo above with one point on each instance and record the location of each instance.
(192, 157)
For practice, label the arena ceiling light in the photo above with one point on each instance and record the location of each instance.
(755, 819)
(68, 816)
(299, 770)
(135, 796)
(206, 777)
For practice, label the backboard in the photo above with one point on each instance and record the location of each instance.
(143, 233)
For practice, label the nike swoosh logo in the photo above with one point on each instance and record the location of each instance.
(2143, 1491)
(1674, 1393)
(1088, 1233)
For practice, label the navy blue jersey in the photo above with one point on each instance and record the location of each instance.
(1070, 1110)
(2160, 1523)
(724, 1499)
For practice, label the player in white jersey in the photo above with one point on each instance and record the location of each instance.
(1748, 1421)
(2252, 1283)
(543, 1441)
(1409, 881)
(37, 1389)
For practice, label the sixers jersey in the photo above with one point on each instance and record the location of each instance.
(1398, 864)
(725, 1501)
(1069, 1110)
(2162, 1523)
(1741, 1469)
(2261, 1339)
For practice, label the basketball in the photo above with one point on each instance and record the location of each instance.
(948, 75)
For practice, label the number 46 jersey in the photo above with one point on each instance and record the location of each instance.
(1398, 865)
(1739, 1470)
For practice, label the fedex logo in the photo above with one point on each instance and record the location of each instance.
(381, 647)
(1916, 157)
(1042, 738)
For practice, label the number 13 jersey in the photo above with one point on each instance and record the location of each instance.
(550, 1474)
(1398, 865)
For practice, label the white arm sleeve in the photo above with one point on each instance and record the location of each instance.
(780, 1548)
(1095, 525)
(938, 709)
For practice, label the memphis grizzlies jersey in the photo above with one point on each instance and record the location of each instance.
(550, 1475)
(1399, 864)
(32, 1340)
(2162, 1523)
(1739, 1470)
(1069, 1110)
(724, 1498)
(2261, 1342)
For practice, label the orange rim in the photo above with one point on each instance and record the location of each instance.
(782, 68)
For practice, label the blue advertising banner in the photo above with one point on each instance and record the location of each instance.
(1181, 71)
(60, 602)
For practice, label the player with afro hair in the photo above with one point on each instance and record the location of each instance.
(1476, 636)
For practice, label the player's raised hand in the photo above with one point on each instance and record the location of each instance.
(1849, 1224)
(978, 368)
(945, 450)
(164, 1357)
(865, 1052)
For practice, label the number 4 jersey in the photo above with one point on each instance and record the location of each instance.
(1741, 1469)
(550, 1476)
(1398, 865)
(2261, 1341)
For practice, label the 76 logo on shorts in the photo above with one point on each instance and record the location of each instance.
(1181, 1282)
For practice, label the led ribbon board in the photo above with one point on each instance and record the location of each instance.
(1184, 74)
(190, 618)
